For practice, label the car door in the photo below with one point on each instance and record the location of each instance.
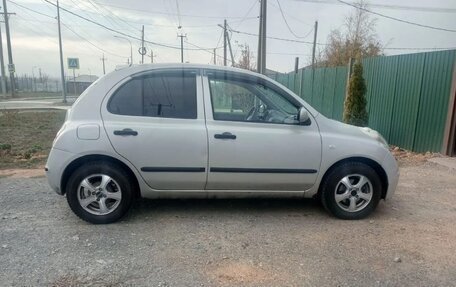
(156, 121)
(255, 141)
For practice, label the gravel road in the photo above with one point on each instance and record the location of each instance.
(409, 241)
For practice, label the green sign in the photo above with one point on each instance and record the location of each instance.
(73, 63)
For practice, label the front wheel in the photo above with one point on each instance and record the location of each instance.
(99, 192)
(351, 191)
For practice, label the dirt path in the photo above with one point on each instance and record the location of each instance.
(22, 173)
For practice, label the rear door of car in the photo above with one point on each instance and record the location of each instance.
(156, 121)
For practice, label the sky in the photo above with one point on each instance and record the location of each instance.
(34, 30)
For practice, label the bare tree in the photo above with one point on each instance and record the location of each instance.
(357, 39)
(246, 58)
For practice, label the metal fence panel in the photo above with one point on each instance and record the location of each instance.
(328, 92)
(381, 93)
(407, 95)
(339, 93)
(406, 100)
(433, 108)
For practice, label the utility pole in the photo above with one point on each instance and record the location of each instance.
(314, 43)
(261, 68)
(103, 59)
(142, 46)
(313, 55)
(152, 56)
(231, 50)
(296, 64)
(182, 36)
(2, 64)
(215, 56)
(62, 71)
(11, 67)
(224, 42)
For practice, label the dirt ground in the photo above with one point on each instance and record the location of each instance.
(409, 240)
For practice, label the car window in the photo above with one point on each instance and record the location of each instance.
(251, 101)
(165, 94)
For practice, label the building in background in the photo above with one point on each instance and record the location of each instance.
(78, 85)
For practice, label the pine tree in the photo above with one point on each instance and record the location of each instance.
(355, 112)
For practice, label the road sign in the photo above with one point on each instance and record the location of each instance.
(142, 50)
(11, 68)
(73, 63)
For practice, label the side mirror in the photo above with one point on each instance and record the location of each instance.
(303, 117)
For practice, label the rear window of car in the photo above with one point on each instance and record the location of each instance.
(160, 94)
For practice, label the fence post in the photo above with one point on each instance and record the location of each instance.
(349, 72)
(449, 136)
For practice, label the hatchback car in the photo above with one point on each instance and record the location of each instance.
(181, 130)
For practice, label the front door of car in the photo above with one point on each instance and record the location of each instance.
(156, 121)
(255, 140)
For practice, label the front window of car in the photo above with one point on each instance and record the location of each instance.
(169, 94)
(250, 100)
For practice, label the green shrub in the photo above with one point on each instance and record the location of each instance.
(355, 112)
(5, 146)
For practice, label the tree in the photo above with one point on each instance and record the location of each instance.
(355, 112)
(246, 59)
(356, 39)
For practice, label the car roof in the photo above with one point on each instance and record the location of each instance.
(137, 68)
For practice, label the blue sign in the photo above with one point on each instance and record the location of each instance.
(73, 63)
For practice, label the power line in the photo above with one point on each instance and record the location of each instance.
(247, 14)
(113, 14)
(116, 31)
(325, 44)
(394, 7)
(276, 38)
(397, 19)
(68, 27)
(178, 14)
(208, 51)
(26, 8)
(288, 26)
(88, 41)
(419, 49)
(173, 14)
(291, 15)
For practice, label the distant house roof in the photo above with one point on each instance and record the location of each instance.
(86, 78)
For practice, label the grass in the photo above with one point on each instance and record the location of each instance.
(26, 137)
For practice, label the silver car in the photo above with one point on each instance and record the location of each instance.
(182, 130)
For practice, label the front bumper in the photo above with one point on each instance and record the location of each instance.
(57, 161)
(392, 172)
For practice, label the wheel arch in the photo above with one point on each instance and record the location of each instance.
(76, 163)
(373, 164)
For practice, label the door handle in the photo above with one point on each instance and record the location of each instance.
(126, 132)
(225, 135)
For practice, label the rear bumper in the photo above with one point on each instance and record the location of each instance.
(392, 172)
(55, 166)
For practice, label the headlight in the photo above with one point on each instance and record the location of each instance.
(375, 135)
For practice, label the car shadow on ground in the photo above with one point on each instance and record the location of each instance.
(143, 208)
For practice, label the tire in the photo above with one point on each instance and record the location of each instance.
(365, 197)
(117, 196)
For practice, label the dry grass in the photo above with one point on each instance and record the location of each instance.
(26, 137)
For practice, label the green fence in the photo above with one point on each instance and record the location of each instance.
(407, 95)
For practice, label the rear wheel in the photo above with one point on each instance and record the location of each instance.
(351, 191)
(99, 192)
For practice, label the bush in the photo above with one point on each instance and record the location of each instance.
(5, 146)
(355, 112)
